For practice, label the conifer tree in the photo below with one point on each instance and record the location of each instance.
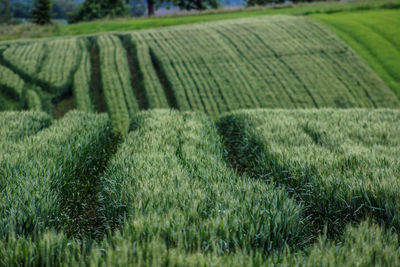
(41, 12)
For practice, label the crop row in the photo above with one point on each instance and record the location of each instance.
(26, 56)
(147, 79)
(47, 179)
(177, 202)
(170, 181)
(11, 82)
(276, 62)
(82, 80)
(343, 165)
(18, 125)
(47, 63)
(116, 83)
(58, 66)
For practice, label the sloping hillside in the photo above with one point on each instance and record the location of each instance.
(269, 62)
(374, 34)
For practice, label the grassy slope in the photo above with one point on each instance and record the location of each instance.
(375, 36)
(32, 31)
(259, 62)
(215, 67)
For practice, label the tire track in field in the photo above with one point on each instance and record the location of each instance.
(165, 84)
(203, 84)
(135, 75)
(96, 89)
(182, 41)
(255, 67)
(319, 58)
(291, 70)
(183, 78)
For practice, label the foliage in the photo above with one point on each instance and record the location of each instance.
(41, 12)
(97, 9)
(196, 4)
(5, 12)
(373, 34)
(61, 8)
(21, 9)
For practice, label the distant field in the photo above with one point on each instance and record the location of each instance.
(68, 186)
(128, 24)
(375, 35)
(269, 62)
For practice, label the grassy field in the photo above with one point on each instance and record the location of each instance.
(374, 34)
(252, 187)
(270, 62)
(129, 24)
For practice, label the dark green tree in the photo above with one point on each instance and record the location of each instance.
(5, 14)
(21, 9)
(97, 9)
(41, 12)
(196, 4)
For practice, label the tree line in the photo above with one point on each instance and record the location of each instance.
(42, 11)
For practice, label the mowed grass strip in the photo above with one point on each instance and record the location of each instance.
(343, 165)
(169, 185)
(374, 34)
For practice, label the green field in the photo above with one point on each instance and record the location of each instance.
(270, 62)
(253, 187)
(128, 24)
(265, 141)
(375, 36)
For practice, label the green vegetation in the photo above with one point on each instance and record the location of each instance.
(279, 61)
(375, 36)
(117, 88)
(18, 125)
(41, 12)
(31, 31)
(168, 195)
(40, 62)
(343, 165)
(47, 180)
(11, 83)
(196, 204)
(271, 62)
(82, 81)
